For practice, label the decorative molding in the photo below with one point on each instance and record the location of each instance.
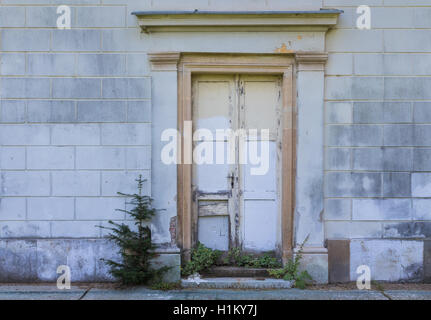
(311, 250)
(311, 57)
(311, 61)
(169, 21)
(164, 249)
(164, 61)
(216, 63)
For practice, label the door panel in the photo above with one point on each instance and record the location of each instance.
(213, 108)
(213, 105)
(261, 183)
(260, 109)
(213, 208)
(260, 225)
(260, 206)
(261, 101)
(212, 178)
(213, 232)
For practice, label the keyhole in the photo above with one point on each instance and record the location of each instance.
(231, 177)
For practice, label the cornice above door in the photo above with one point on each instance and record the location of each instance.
(244, 21)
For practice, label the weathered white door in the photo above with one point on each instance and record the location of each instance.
(236, 180)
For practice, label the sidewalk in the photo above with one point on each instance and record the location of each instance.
(102, 292)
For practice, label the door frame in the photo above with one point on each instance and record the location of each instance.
(275, 64)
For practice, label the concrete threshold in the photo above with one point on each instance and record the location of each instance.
(236, 283)
(235, 272)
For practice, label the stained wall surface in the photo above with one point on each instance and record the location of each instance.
(81, 116)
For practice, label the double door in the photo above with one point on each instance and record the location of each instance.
(236, 178)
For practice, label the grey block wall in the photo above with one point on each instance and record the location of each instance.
(75, 129)
(75, 124)
(377, 137)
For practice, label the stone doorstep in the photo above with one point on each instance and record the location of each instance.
(235, 272)
(236, 283)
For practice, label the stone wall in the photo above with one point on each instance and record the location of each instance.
(377, 138)
(75, 117)
(78, 124)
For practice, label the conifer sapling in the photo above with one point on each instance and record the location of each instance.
(135, 246)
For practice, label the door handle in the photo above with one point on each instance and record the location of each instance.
(232, 179)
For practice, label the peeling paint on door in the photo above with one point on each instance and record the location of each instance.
(227, 196)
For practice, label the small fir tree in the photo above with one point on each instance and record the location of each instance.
(135, 247)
